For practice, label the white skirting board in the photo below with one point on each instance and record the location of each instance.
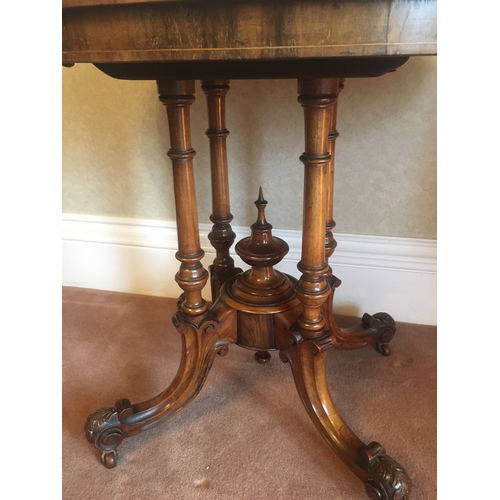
(378, 274)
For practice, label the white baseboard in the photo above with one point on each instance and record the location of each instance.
(394, 275)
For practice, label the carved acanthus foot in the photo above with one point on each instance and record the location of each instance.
(102, 429)
(387, 480)
(107, 427)
(386, 329)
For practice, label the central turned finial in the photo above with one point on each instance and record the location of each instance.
(261, 249)
(264, 297)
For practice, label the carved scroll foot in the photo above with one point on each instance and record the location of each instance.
(383, 477)
(385, 328)
(103, 431)
(108, 427)
(387, 480)
(377, 329)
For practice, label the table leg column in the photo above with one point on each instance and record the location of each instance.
(222, 235)
(317, 97)
(305, 345)
(177, 96)
(204, 333)
(330, 243)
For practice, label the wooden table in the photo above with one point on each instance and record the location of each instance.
(319, 43)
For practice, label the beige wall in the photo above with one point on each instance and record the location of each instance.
(115, 139)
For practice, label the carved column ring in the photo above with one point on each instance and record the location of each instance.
(221, 241)
(315, 160)
(181, 155)
(222, 220)
(214, 84)
(217, 133)
(178, 101)
(312, 270)
(317, 102)
(192, 285)
(192, 258)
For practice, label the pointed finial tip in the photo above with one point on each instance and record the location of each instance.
(261, 197)
(261, 206)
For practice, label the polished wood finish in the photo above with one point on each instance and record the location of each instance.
(336, 67)
(95, 3)
(319, 43)
(383, 477)
(204, 332)
(177, 96)
(107, 427)
(260, 309)
(262, 357)
(317, 97)
(222, 235)
(246, 30)
(330, 243)
(263, 297)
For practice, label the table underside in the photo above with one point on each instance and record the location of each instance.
(352, 67)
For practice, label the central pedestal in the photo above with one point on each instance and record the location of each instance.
(264, 298)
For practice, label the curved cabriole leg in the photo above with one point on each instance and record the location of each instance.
(377, 329)
(305, 347)
(107, 427)
(383, 477)
(204, 332)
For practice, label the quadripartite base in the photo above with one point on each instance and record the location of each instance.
(261, 309)
(262, 331)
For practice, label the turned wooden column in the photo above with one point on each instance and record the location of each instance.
(330, 243)
(177, 96)
(222, 236)
(317, 96)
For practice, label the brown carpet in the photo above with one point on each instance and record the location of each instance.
(246, 435)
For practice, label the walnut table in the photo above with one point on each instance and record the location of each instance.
(320, 44)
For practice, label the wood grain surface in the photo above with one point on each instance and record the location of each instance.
(138, 31)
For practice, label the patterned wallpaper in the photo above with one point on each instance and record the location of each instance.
(115, 139)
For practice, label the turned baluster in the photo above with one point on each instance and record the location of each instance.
(317, 97)
(222, 236)
(330, 243)
(178, 96)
